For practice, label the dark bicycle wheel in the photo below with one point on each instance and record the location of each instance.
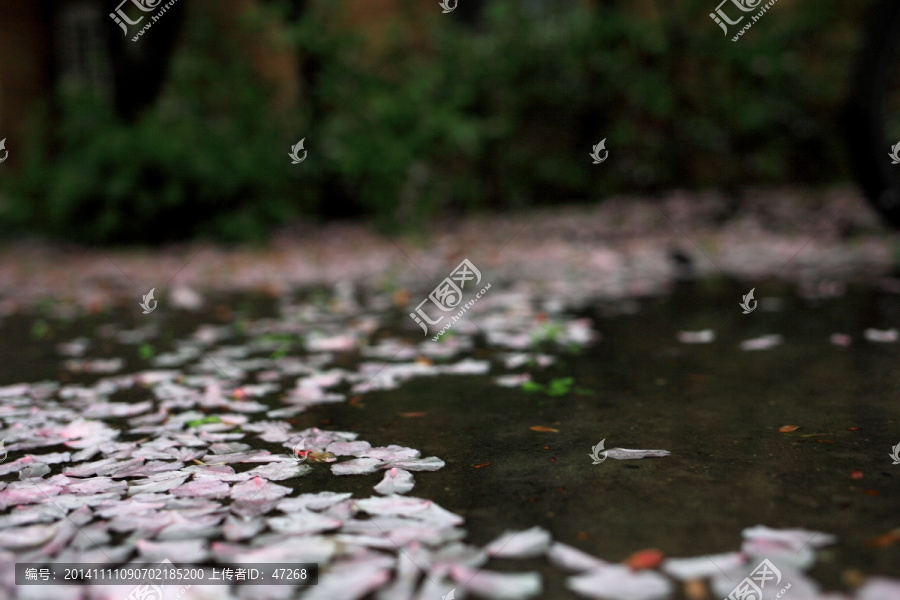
(872, 113)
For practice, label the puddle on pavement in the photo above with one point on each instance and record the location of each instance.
(716, 408)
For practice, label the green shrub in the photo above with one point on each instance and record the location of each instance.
(206, 159)
(504, 115)
(499, 116)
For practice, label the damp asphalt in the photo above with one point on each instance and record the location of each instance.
(717, 409)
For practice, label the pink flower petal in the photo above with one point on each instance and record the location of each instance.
(396, 481)
(202, 488)
(520, 544)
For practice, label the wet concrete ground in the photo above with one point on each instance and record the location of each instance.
(717, 408)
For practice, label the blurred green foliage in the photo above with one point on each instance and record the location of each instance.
(201, 161)
(498, 116)
(505, 115)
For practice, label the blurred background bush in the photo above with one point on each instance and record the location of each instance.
(412, 114)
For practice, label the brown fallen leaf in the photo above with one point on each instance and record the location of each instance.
(479, 466)
(853, 578)
(320, 457)
(273, 290)
(542, 428)
(401, 297)
(223, 313)
(696, 589)
(788, 428)
(856, 474)
(883, 541)
(872, 492)
(854, 428)
(412, 415)
(826, 441)
(424, 361)
(645, 559)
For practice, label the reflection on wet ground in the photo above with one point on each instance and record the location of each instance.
(794, 435)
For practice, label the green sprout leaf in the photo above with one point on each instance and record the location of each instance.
(40, 330)
(532, 387)
(204, 421)
(560, 387)
(282, 351)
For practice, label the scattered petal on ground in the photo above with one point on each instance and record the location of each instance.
(350, 580)
(790, 538)
(358, 466)
(178, 467)
(190, 551)
(203, 488)
(878, 335)
(620, 583)
(762, 343)
(303, 523)
(628, 454)
(396, 481)
(319, 501)
(704, 336)
(840, 339)
(702, 567)
(567, 558)
(512, 381)
(258, 489)
(879, 588)
(520, 544)
(432, 463)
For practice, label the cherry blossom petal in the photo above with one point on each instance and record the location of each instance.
(357, 466)
(620, 583)
(498, 586)
(520, 544)
(396, 481)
